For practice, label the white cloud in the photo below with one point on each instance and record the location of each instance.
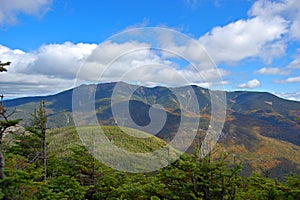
(108, 50)
(292, 66)
(265, 34)
(288, 9)
(272, 71)
(255, 37)
(295, 96)
(10, 9)
(250, 84)
(185, 47)
(18, 58)
(49, 69)
(54, 67)
(295, 64)
(144, 66)
(14, 85)
(59, 60)
(295, 79)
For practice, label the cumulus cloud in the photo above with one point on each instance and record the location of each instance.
(180, 45)
(117, 62)
(250, 84)
(240, 40)
(19, 58)
(59, 60)
(55, 67)
(49, 69)
(264, 34)
(288, 9)
(272, 71)
(10, 9)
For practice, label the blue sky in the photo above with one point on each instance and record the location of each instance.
(254, 43)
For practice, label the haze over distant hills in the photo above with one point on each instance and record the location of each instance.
(261, 128)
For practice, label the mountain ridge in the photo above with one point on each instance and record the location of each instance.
(255, 121)
(256, 107)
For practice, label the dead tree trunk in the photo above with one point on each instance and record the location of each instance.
(44, 149)
(2, 163)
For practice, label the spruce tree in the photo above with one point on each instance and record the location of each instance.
(5, 122)
(39, 120)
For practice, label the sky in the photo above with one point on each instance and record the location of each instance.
(251, 45)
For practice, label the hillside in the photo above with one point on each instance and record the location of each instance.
(255, 121)
(266, 155)
(269, 155)
(72, 173)
(61, 139)
(121, 151)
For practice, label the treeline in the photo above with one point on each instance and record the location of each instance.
(80, 176)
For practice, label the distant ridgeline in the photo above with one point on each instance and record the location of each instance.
(262, 129)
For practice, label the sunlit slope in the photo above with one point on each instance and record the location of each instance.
(130, 149)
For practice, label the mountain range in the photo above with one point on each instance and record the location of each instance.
(260, 129)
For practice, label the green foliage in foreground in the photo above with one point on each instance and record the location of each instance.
(75, 174)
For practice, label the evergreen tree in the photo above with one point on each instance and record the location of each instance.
(5, 123)
(39, 120)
